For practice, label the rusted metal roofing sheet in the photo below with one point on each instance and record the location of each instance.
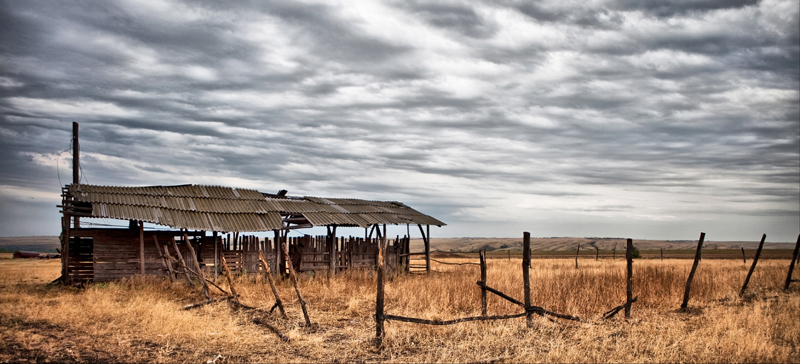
(217, 208)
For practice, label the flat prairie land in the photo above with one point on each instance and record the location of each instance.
(141, 319)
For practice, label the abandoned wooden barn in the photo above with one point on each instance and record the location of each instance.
(205, 223)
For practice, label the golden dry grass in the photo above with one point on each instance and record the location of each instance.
(141, 319)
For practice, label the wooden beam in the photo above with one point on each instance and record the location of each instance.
(629, 278)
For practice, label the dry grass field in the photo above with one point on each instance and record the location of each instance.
(141, 319)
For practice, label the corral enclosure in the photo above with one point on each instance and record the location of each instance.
(141, 318)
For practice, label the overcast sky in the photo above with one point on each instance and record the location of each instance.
(641, 119)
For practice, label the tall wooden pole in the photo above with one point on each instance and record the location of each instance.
(791, 264)
(379, 318)
(526, 279)
(482, 254)
(685, 303)
(753, 267)
(629, 278)
(76, 165)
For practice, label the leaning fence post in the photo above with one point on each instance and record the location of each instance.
(293, 277)
(744, 260)
(791, 264)
(685, 303)
(278, 301)
(482, 255)
(629, 278)
(753, 267)
(197, 267)
(577, 252)
(379, 319)
(526, 261)
(230, 280)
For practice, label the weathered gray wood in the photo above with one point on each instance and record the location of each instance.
(685, 303)
(629, 278)
(180, 259)
(167, 264)
(293, 277)
(753, 267)
(791, 263)
(197, 267)
(274, 329)
(526, 263)
(379, 317)
(230, 281)
(450, 322)
(278, 301)
(482, 254)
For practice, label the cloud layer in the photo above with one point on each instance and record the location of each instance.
(603, 118)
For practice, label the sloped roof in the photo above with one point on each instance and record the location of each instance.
(217, 208)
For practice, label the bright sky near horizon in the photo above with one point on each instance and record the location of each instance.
(621, 118)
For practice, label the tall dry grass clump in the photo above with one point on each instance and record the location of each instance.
(141, 318)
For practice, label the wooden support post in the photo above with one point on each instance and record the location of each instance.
(278, 301)
(744, 259)
(141, 247)
(76, 165)
(577, 252)
(526, 279)
(685, 303)
(753, 267)
(482, 254)
(277, 253)
(197, 268)
(293, 277)
(216, 255)
(167, 264)
(180, 259)
(332, 251)
(379, 333)
(427, 242)
(629, 278)
(230, 281)
(662, 254)
(791, 264)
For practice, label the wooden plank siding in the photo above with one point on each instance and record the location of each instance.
(109, 254)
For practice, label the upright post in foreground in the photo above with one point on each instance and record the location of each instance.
(379, 295)
(293, 277)
(526, 261)
(685, 303)
(753, 267)
(791, 264)
(482, 254)
(629, 279)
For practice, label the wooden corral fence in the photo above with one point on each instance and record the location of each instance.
(307, 253)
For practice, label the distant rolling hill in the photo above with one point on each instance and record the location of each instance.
(42, 244)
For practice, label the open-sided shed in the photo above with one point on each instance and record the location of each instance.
(202, 216)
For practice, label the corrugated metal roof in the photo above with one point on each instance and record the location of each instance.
(217, 208)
